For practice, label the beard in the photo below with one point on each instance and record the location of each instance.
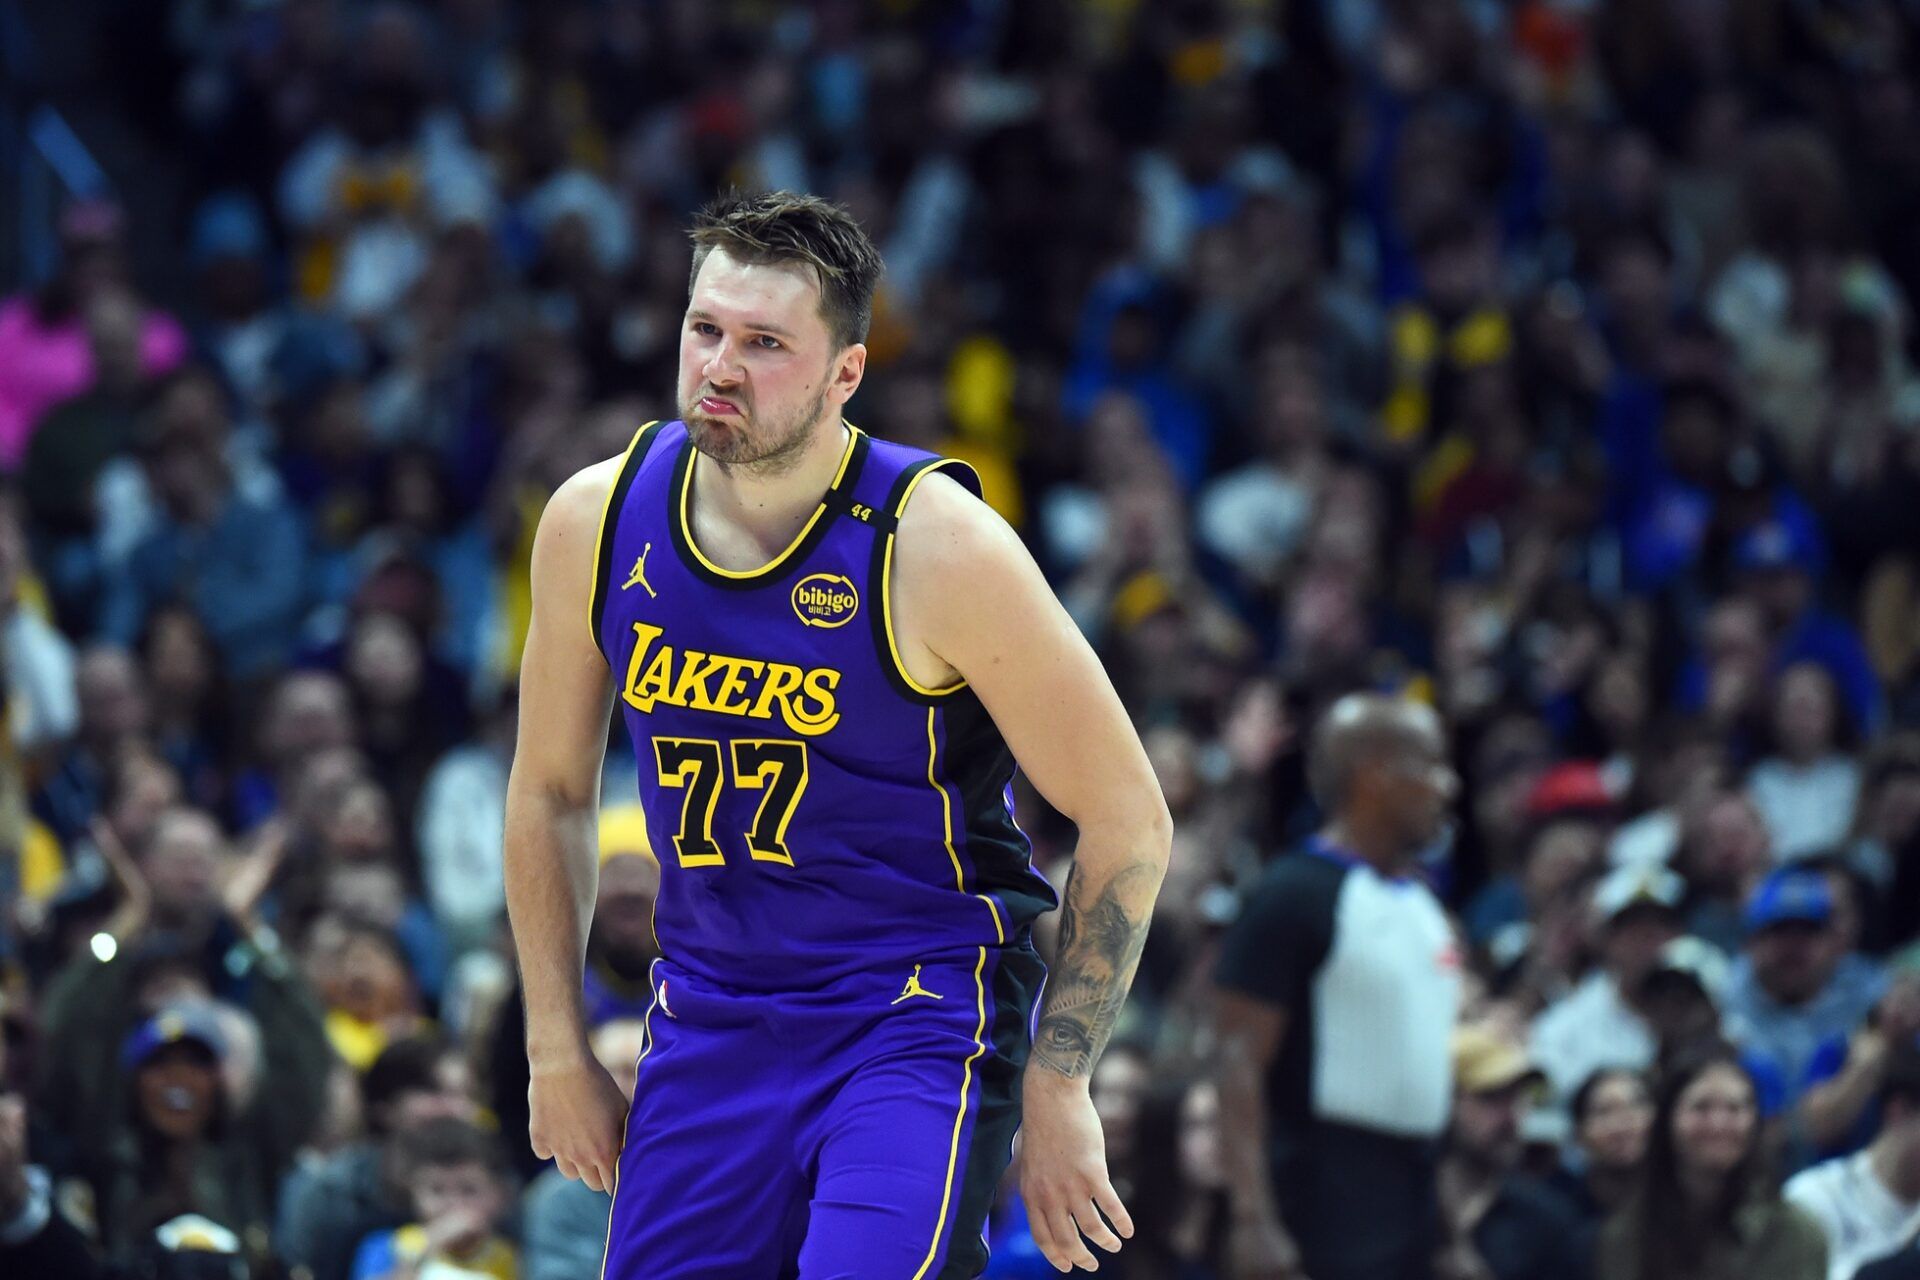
(768, 447)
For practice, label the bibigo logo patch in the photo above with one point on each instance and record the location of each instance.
(825, 600)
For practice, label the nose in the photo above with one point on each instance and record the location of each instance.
(723, 366)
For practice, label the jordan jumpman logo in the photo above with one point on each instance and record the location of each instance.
(913, 988)
(639, 573)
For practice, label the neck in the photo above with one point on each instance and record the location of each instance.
(1371, 843)
(1467, 1174)
(1702, 1187)
(766, 498)
(1610, 1186)
(1884, 1159)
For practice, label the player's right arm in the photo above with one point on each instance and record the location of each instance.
(552, 859)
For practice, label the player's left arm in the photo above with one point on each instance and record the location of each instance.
(969, 598)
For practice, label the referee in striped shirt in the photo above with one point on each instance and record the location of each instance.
(1339, 987)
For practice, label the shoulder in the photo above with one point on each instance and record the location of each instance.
(948, 537)
(943, 524)
(1798, 1229)
(1813, 1189)
(1542, 1199)
(570, 522)
(1296, 897)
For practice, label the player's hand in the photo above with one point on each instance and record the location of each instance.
(1063, 1172)
(1261, 1249)
(578, 1116)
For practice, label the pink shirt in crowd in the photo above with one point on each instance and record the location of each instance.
(41, 366)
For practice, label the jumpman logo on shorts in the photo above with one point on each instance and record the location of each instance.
(913, 988)
(639, 573)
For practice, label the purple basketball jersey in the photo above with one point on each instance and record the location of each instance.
(815, 811)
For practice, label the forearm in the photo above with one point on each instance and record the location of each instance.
(1243, 1131)
(552, 872)
(1103, 928)
(1834, 1106)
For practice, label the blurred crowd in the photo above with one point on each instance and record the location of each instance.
(1550, 361)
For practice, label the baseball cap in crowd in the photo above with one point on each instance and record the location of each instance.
(1572, 788)
(623, 829)
(1792, 894)
(228, 225)
(1484, 1061)
(1777, 544)
(179, 1025)
(1691, 959)
(1624, 888)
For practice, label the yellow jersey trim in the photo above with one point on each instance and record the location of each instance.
(741, 575)
(646, 1047)
(600, 544)
(960, 1117)
(886, 587)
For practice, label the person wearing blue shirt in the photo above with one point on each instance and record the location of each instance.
(1797, 994)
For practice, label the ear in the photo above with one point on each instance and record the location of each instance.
(848, 370)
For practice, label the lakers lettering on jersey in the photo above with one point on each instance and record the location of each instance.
(729, 686)
(816, 810)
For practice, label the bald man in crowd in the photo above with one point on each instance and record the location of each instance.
(1339, 987)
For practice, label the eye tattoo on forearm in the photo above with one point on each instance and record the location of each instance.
(1101, 936)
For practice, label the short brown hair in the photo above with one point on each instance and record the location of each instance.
(786, 226)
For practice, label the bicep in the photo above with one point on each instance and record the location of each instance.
(566, 693)
(982, 605)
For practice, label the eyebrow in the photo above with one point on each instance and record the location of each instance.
(756, 326)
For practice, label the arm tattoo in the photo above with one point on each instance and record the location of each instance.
(1101, 937)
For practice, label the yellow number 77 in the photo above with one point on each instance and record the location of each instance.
(776, 765)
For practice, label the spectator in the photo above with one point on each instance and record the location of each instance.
(1497, 1222)
(456, 1185)
(462, 829)
(42, 702)
(1868, 1204)
(1612, 1113)
(237, 560)
(565, 1220)
(363, 977)
(1334, 1063)
(187, 698)
(77, 439)
(44, 353)
(36, 1236)
(1724, 855)
(1797, 993)
(1885, 844)
(620, 952)
(328, 1206)
(1703, 1210)
(1807, 790)
(183, 920)
(1599, 1023)
(1780, 559)
(1837, 1111)
(1680, 997)
(188, 1149)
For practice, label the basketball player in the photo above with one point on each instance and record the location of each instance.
(829, 653)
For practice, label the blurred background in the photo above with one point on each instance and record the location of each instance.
(1551, 361)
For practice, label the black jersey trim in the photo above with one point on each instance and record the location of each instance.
(637, 450)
